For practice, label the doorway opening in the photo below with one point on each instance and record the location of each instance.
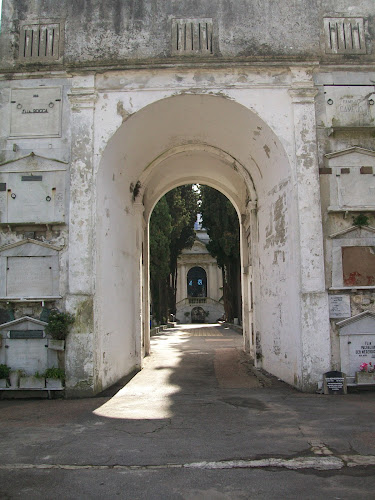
(195, 264)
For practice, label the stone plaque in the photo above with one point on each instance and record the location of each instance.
(334, 383)
(29, 269)
(33, 197)
(339, 306)
(35, 112)
(350, 106)
(29, 355)
(30, 276)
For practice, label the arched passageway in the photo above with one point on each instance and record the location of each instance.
(215, 141)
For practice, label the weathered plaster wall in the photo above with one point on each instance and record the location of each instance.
(222, 124)
(253, 112)
(140, 30)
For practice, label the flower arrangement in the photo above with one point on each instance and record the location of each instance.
(366, 367)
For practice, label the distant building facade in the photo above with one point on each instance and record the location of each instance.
(106, 106)
(200, 283)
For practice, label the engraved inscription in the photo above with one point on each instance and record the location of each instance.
(350, 106)
(339, 306)
(36, 112)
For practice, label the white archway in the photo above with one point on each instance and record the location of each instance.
(215, 141)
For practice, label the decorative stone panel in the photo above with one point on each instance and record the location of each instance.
(41, 41)
(192, 37)
(344, 35)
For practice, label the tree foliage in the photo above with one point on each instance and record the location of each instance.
(221, 222)
(160, 232)
(171, 230)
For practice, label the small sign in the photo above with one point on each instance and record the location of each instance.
(339, 306)
(334, 382)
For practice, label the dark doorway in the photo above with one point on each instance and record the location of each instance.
(197, 282)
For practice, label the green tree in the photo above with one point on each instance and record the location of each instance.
(183, 205)
(160, 232)
(171, 230)
(221, 222)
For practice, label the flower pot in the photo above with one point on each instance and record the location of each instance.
(14, 378)
(3, 383)
(32, 383)
(363, 378)
(56, 345)
(54, 383)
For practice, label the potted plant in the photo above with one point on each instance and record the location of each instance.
(36, 381)
(4, 376)
(58, 327)
(55, 378)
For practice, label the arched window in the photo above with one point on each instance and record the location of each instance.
(197, 282)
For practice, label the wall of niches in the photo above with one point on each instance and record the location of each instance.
(34, 204)
(346, 130)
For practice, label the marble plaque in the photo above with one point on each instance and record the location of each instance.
(29, 355)
(358, 349)
(350, 106)
(357, 342)
(35, 112)
(30, 276)
(339, 306)
(35, 197)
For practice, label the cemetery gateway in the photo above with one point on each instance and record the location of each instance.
(105, 109)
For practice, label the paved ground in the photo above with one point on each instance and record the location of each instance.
(195, 424)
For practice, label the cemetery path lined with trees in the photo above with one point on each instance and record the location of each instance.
(172, 230)
(197, 423)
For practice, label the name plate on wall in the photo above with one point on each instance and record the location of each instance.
(357, 342)
(350, 106)
(35, 112)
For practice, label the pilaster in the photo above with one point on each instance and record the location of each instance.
(315, 340)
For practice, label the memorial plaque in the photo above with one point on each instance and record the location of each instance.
(36, 112)
(29, 355)
(30, 276)
(26, 334)
(334, 382)
(339, 306)
(33, 197)
(357, 342)
(350, 106)
(29, 269)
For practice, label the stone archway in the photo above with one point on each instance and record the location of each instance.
(215, 141)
